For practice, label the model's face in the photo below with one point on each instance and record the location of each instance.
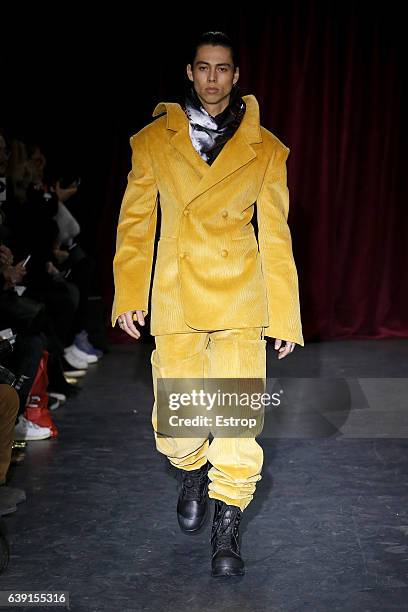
(213, 75)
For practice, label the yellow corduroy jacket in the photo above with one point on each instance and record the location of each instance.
(210, 271)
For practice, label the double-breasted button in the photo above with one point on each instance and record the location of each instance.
(186, 212)
(224, 252)
(182, 255)
(225, 213)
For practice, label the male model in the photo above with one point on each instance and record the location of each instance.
(216, 292)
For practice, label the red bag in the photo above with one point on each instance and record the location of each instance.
(36, 409)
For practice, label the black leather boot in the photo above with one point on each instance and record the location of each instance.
(193, 501)
(226, 557)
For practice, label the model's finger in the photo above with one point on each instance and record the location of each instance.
(132, 331)
(130, 324)
(124, 327)
(283, 352)
(140, 317)
(128, 316)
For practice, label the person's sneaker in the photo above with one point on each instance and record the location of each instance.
(26, 430)
(81, 355)
(73, 361)
(11, 495)
(37, 411)
(226, 557)
(193, 500)
(82, 343)
(58, 396)
(53, 402)
(7, 508)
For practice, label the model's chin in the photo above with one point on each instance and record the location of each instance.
(210, 98)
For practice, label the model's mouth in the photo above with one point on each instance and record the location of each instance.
(212, 90)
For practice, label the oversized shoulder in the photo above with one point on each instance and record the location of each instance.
(156, 127)
(274, 146)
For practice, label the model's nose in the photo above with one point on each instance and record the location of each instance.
(212, 76)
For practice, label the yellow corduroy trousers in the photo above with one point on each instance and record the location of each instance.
(231, 353)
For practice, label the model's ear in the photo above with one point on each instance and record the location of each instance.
(189, 72)
(236, 75)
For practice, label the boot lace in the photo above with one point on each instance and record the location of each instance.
(194, 484)
(225, 529)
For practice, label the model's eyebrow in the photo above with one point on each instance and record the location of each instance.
(208, 63)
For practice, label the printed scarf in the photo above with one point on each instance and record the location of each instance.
(209, 134)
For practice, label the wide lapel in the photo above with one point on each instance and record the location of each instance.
(236, 153)
(178, 123)
(182, 142)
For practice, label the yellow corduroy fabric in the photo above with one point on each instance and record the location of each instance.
(210, 273)
(241, 353)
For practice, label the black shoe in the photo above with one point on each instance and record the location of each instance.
(193, 501)
(226, 557)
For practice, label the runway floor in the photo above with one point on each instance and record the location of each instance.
(327, 529)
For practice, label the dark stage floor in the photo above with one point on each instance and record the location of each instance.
(326, 531)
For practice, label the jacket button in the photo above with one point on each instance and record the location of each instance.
(224, 252)
(225, 213)
(186, 212)
(182, 255)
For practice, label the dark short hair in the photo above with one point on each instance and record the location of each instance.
(215, 38)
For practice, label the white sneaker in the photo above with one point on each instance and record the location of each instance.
(59, 396)
(53, 403)
(27, 430)
(74, 361)
(74, 350)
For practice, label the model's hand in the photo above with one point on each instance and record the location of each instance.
(284, 350)
(126, 323)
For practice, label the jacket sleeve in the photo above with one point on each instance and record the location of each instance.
(275, 248)
(132, 264)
